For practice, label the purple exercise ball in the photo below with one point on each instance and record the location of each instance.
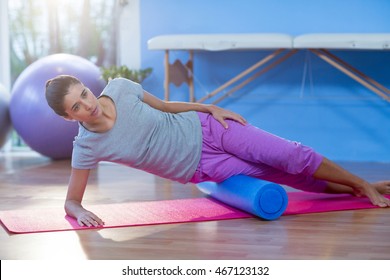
(33, 119)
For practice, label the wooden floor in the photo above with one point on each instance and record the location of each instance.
(27, 180)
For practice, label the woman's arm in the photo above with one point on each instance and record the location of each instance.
(177, 107)
(76, 188)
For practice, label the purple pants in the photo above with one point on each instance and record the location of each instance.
(253, 152)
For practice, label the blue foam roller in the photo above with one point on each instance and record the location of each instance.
(261, 198)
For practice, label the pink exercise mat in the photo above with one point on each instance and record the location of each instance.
(168, 211)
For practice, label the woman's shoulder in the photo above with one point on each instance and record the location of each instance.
(122, 86)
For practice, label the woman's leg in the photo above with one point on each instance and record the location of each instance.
(383, 187)
(261, 147)
(331, 172)
(258, 147)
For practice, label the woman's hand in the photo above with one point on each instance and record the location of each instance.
(221, 115)
(73, 208)
(178, 107)
(89, 219)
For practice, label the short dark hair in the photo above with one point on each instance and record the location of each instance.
(56, 89)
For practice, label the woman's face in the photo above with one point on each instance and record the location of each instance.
(81, 105)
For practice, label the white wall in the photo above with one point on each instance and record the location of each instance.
(129, 38)
(4, 46)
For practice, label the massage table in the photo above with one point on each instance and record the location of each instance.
(282, 46)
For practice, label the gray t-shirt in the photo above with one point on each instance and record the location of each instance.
(165, 144)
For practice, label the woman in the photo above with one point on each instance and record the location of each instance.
(185, 142)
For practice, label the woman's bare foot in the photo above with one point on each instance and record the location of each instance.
(371, 191)
(383, 187)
